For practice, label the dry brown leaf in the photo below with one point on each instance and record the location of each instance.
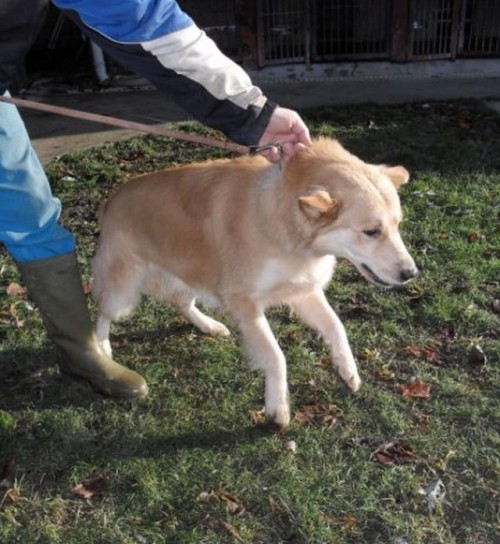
(384, 374)
(442, 463)
(91, 488)
(415, 390)
(426, 353)
(349, 522)
(16, 290)
(394, 452)
(258, 417)
(317, 414)
(233, 504)
(476, 237)
(232, 531)
(13, 313)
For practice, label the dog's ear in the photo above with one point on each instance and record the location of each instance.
(319, 203)
(399, 175)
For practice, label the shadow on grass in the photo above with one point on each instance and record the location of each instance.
(433, 136)
(31, 380)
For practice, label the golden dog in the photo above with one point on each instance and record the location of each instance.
(243, 234)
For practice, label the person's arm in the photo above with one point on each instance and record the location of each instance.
(165, 47)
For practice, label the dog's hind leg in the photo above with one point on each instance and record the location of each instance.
(117, 295)
(315, 311)
(265, 354)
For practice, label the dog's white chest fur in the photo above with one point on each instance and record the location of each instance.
(287, 279)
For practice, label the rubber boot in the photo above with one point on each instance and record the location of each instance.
(55, 286)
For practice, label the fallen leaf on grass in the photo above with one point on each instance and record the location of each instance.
(415, 390)
(384, 373)
(232, 531)
(349, 522)
(495, 306)
(476, 237)
(345, 523)
(394, 452)
(258, 417)
(232, 504)
(442, 464)
(12, 314)
(91, 488)
(16, 290)
(318, 414)
(426, 353)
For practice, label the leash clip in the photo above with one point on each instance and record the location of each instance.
(256, 149)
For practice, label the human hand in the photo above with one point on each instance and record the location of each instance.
(287, 129)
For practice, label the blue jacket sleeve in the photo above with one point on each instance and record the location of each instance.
(157, 41)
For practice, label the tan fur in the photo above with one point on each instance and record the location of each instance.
(244, 234)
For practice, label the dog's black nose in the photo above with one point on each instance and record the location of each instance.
(408, 273)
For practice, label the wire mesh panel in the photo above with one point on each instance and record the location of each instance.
(306, 31)
(351, 29)
(481, 28)
(434, 28)
(283, 31)
(217, 18)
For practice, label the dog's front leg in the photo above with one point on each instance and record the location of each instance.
(318, 314)
(264, 353)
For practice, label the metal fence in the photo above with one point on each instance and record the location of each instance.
(480, 28)
(351, 29)
(433, 28)
(283, 31)
(308, 31)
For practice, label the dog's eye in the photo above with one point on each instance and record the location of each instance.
(372, 233)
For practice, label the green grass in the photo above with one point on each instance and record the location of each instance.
(188, 464)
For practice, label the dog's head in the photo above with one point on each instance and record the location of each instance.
(351, 209)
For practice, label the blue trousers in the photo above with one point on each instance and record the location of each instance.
(29, 213)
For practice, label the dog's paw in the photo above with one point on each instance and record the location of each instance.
(213, 327)
(218, 329)
(354, 383)
(349, 373)
(352, 379)
(280, 415)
